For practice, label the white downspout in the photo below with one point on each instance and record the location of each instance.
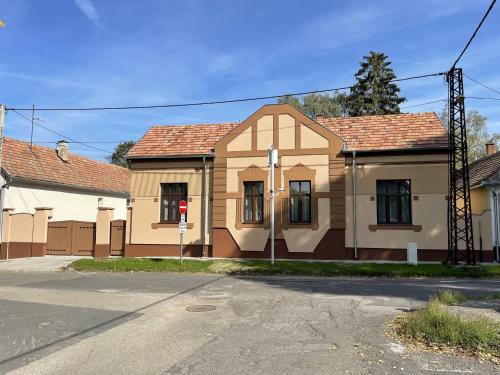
(354, 219)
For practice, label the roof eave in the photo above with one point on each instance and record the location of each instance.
(411, 150)
(18, 179)
(190, 156)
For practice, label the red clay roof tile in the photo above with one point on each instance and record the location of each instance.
(42, 164)
(385, 132)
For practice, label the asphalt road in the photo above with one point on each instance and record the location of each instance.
(143, 323)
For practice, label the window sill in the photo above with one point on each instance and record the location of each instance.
(250, 225)
(169, 225)
(312, 226)
(376, 227)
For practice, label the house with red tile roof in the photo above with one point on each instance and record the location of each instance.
(345, 188)
(72, 185)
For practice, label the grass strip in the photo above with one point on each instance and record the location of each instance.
(434, 326)
(261, 267)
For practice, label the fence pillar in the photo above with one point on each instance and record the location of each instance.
(40, 230)
(4, 251)
(128, 229)
(103, 232)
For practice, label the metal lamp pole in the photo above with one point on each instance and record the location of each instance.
(273, 159)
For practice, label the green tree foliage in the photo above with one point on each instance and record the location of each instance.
(477, 133)
(119, 154)
(318, 104)
(373, 94)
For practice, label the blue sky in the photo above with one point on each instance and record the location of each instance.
(71, 53)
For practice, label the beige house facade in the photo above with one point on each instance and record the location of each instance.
(348, 188)
(484, 177)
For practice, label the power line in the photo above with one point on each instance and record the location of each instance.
(59, 134)
(421, 104)
(86, 143)
(480, 98)
(474, 34)
(482, 84)
(216, 101)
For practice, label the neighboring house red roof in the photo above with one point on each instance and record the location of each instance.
(387, 132)
(484, 170)
(42, 164)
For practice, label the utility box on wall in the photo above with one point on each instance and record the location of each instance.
(411, 253)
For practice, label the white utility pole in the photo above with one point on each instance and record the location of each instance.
(273, 161)
(2, 122)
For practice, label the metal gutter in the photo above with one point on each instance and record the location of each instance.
(355, 228)
(203, 206)
(188, 156)
(399, 151)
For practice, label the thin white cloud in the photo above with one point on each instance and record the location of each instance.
(88, 9)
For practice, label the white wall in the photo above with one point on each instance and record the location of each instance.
(66, 205)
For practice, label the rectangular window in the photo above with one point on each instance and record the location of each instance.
(171, 195)
(393, 202)
(253, 202)
(300, 202)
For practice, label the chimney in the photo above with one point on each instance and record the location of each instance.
(319, 117)
(62, 150)
(490, 148)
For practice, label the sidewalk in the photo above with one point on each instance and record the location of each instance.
(49, 263)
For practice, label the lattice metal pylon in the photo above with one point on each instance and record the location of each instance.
(460, 239)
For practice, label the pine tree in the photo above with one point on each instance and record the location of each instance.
(373, 94)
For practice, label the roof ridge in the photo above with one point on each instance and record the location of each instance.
(484, 158)
(192, 125)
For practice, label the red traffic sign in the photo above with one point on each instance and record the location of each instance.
(183, 207)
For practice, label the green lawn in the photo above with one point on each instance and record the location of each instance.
(434, 326)
(260, 267)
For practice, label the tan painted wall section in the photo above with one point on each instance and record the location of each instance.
(235, 165)
(481, 225)
(428, 183)
(248, 239)
(480, 200)
(40, 222)
(264, 132)
(320, 163)
(306, 240)
(145, 211)
(310, 139)
(286, 132)
(242, 142)
(102, 228)
(21, 228)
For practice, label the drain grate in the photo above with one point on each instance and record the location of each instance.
(200, 308)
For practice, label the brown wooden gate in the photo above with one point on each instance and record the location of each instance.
(117, 234)
(70, 238)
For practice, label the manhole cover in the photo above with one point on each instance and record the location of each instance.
(200, 308)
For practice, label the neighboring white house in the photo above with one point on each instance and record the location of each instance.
(73, 186)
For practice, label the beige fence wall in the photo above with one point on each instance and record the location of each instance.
(23, 234)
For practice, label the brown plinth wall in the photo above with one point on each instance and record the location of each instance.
(424, 255)
(331, 247)
(22, 250)
(147, 250)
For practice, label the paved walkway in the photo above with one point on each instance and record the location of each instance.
(47, 263)
(151, 323)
